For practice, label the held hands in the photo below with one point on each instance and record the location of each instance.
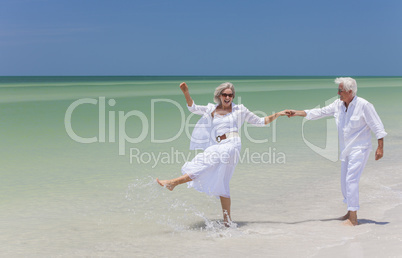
(290, 113)
(269, 119)
(287, 112)
(284, 113)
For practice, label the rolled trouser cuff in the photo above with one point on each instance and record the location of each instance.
(353, 208)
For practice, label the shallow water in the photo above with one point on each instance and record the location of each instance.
(60, 197)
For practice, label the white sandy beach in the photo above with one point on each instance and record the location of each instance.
(62, 198)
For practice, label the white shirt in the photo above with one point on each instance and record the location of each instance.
(354, 124)
(207, 128)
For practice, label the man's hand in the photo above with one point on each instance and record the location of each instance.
(379, 153)
(380, 149)
(290, 113)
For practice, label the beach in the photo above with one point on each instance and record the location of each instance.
(80, 156)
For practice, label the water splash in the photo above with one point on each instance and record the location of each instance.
(147, 200)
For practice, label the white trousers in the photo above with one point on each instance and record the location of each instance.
(351, 170)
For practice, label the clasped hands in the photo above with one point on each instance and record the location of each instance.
(288, 113)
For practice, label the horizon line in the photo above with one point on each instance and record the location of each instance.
(200, 75)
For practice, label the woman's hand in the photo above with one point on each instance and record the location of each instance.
(269, 119)
(184, 87)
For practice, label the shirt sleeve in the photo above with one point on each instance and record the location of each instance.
(252, 118)
(197, 109)
(317, 113)
(374, 121)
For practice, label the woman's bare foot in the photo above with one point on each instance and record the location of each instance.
(166, 183)
(228, 222)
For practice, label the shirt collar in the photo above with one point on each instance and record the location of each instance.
(234, 106)
(353, 102)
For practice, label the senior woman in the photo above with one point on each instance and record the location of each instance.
(217, 134)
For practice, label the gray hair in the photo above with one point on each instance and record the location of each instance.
(348, 84)
(220, 88)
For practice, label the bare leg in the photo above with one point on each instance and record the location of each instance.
(352, 219)
(225, 202)
(172, 183)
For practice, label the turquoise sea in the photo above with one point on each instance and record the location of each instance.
(79, 157)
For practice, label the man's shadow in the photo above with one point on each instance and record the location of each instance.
(369, 221)
(360, 221)
(240, 224)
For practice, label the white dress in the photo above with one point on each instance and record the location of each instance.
(212, 169)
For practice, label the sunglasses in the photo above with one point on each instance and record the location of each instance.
(339, 90)
(227, 95)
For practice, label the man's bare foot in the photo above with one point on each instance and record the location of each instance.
(352, 219)
(349, 222)
(345, 217)
(166, 183)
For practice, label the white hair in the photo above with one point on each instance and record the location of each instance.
(220, 88)
(348, 84)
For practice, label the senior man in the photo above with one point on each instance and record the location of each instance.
(355, 118)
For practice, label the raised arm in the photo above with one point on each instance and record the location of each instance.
(184, 89)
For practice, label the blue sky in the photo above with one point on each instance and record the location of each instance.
(279, 37)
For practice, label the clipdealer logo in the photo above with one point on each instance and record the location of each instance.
(174, 156)
(107, 120)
